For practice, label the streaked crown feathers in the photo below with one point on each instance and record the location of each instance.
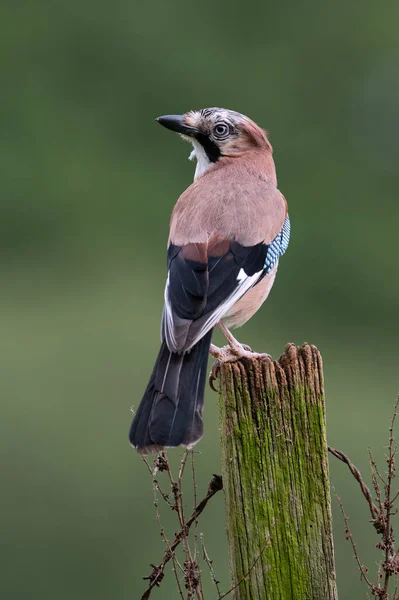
(231, 131)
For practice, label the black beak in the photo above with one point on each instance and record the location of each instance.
(176, 123)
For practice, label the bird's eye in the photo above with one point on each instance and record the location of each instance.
(221, 130)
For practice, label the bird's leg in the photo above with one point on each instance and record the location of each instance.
(235, 350)
(234, 344)
(231, 353)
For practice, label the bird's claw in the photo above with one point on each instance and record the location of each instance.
(214, 375)
(247, 348)
(230, 353)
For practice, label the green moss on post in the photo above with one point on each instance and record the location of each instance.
(275, 474)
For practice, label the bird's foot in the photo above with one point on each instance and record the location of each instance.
(230, 353)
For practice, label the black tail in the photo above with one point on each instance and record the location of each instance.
(170, 413)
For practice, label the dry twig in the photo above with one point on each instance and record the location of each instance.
(363, 570)
(381, 513)
(358, 476)
(209, 562)
(190, 570)
(235, 586)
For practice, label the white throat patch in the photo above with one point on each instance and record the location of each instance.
(203, 162)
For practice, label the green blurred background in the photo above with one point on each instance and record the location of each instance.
(88, 181)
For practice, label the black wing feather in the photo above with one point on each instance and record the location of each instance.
(197, 289)
(188, 284)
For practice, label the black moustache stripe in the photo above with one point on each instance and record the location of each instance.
(211, 149)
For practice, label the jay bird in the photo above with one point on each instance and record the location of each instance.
(227, 233)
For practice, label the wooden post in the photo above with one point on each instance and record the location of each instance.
(275, 474)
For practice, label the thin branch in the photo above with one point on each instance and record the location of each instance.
(199, 593)
(249, 570)
(195, 503)
(381, 515)
(156, 576)
(363, 570)
(358, 476)
(156, 482)
(209, 562)
(374, 464)
(190, 568)
(374, 474)
(166, 542)
(390, 565)
(199, 589)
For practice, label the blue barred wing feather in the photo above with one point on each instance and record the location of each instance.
(278, 246)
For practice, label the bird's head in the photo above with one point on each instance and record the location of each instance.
(216, 133)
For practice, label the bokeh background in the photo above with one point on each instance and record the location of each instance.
(88, 182)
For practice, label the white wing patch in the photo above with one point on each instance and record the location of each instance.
(241, 276)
